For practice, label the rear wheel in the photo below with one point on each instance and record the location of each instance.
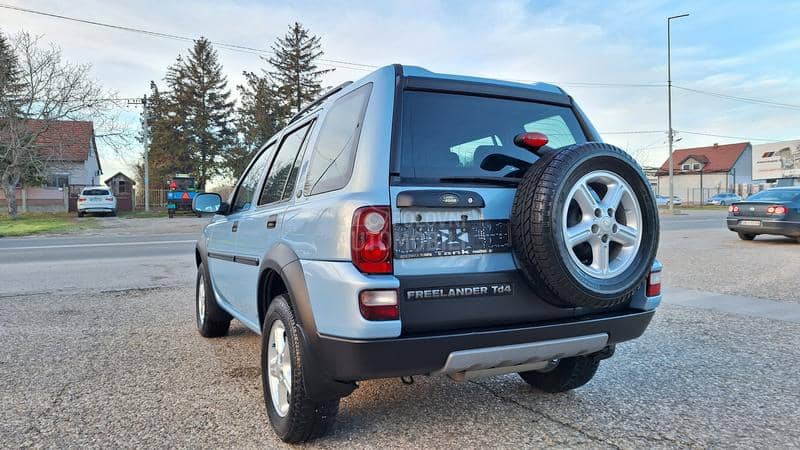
(584, 226)
(80, 213)
(294, 416)
(746, 236)
(570, 373)
(212, 321)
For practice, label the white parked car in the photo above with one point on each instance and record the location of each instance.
(97, 199)
(663, 200)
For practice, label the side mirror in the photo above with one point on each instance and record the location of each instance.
(209, 203)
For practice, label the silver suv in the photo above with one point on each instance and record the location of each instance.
(416, 223)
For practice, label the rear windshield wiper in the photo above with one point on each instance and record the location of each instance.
(500, 181)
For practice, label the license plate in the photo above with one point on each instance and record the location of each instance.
(750, 223)
(471, 237)
(94, 199)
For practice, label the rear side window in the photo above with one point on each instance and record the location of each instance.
(449, 135)
(332, 159)
(96, 192)
(247, 187)
(283, 173)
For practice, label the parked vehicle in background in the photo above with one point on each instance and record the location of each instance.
(96, 200)
(372, 238)
(774, 211)
(663, 200)
(181, 191)
(723, 199)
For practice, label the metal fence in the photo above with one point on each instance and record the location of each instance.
(697, 196)
(158, 198)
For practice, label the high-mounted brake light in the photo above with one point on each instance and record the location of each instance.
(531, 141)
(371, 240)
(654, 284)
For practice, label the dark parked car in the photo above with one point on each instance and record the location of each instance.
(774, 211)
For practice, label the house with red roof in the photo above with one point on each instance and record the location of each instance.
(71, 160)
(71, 153)
(701, 172)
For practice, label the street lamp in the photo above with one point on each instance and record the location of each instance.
(669, 110)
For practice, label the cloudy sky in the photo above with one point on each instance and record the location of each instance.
(610, 55)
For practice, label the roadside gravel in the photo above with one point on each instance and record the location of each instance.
(127, 369)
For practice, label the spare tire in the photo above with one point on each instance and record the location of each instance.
(584, 226)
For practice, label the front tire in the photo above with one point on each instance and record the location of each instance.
(570, 373)
(746, 236)
(212, 321)
(294, 416)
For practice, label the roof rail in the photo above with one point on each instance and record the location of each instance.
(319, 100)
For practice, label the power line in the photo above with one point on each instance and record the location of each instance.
(242, 48)
(634, 132)
(742, 99)
(745, 138)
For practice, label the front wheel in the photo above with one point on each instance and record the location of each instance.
(570, 373)
(212, 321)
(294, 416)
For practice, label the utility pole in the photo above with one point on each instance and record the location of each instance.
(670, 134)
(146, 144)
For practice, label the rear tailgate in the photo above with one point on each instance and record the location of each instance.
(754, 209)
(454, 262)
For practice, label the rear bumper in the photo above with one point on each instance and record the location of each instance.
(768, 226)
(353, 360)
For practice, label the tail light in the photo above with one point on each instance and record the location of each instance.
(777, 210)
(734, 209)
(109, 199)
(379, 305)
(371, 240)
(81, 199)
(654, 284)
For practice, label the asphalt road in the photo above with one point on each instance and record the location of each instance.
(100, 350)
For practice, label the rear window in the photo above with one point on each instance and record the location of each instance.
(776, 195)
(449, 135)
(95, 192)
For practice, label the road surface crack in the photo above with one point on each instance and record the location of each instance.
(572, 427)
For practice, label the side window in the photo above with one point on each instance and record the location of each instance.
(243, 198)
(556, 129)
(280, 180)
(332, 158)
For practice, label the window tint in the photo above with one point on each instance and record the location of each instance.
(334, 152)
(247, 188)
(776, 195)
(284, 168)
(95, 192)
(450, 135)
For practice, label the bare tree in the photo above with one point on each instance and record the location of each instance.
(41, 89)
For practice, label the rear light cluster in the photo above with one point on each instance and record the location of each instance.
(777, 210)
(379, 305)
(734, 209)
(371, 240)
(81, 199)
(109, 199)
(654, 284)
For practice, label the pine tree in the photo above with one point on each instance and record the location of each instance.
(202, 109)
(259, 116)
(296, 71)
(12, 87)
(169, 149)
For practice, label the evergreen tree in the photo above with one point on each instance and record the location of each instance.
(202, 109)
(12, 88)
(259, 116)
(169, 149)
(296, 71)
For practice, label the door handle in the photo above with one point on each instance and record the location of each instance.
(235, 226)
(272, 221)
